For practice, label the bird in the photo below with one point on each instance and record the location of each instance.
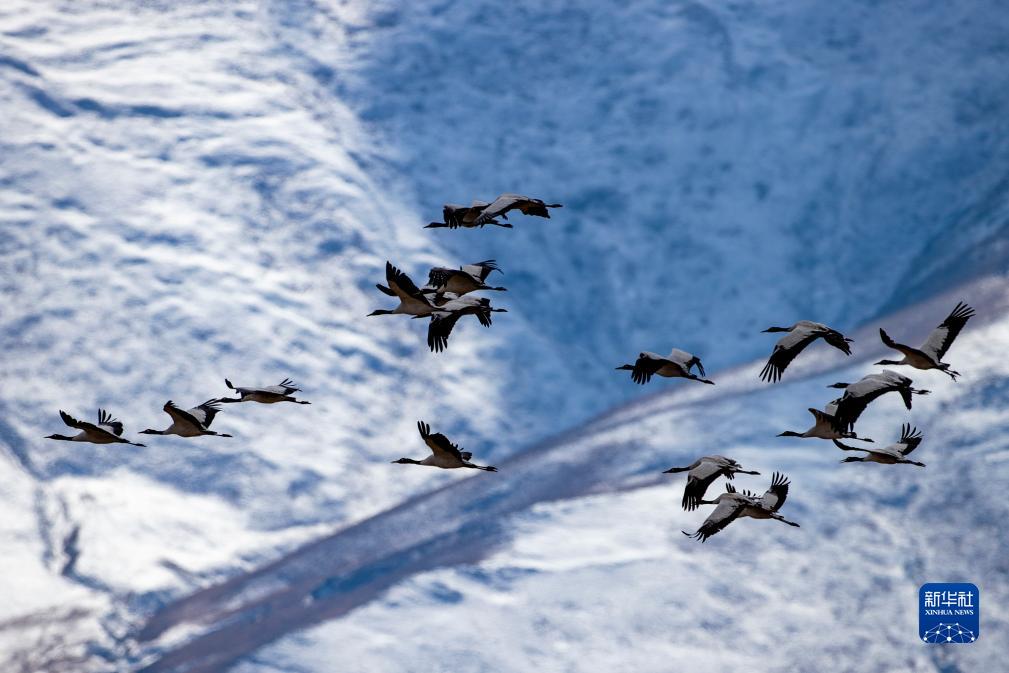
(267, 395)
(732, 505)
(800, 335)
(823, 426)
(909, 440)
(676, 364)
(702, 472)
(444, 318)
(457, 216)
(108, 430)
(930, 354)
(189, 422)
(444, 454)
(465, 279)
(858, 395)
(506, 202)
(411, 300)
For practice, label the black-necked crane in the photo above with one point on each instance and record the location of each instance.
(506, 202)
(444, 318)
(677, 364)
(702, 472)
(909, 440)
(858, 395)
(193, 422)
(929, 355)
(800, 335)
(732, 505)
(411, 300)
(444, 454)
(107, 431)
(464, 217)
(467, 278)
(824, 426)
(265, 395)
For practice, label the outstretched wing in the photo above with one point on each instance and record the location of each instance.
(838, 341)
(401, 284)
(857, 397)
(785, 351)
(205, 413)
(644, 368)
(501, 205)
(942, 337)
(438, 443)
(185, 416)
(698, 480)
(481, 269)
(105, 418)
(440, 329)
(285, 387)
(910, 438)
(726, 512)
(438, 276)
(775, 496)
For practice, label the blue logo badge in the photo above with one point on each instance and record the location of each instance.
(949, 613)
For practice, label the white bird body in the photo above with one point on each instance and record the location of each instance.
(929, 355)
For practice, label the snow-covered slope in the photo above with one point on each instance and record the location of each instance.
(571, 558)
(194, 190)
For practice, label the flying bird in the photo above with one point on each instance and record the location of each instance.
(800, 335)
(189, 422)
(266, 395)
(824, 426)
(465, 279)
(444, 454)
(507, 202)
(411, 300)
(702, 472)
(732, 505)
(930, 354)
(444, 318)
(107, 431)
(909, 440)
(677, 364)
(464, 217)
(858, 395)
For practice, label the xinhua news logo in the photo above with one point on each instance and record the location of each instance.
(949, 613)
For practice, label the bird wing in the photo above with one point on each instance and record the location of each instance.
(645, 367)
(785, 351)
(205, 413)
(775, 496)
(837, 340)
(185, 416)
(501, 205)
(438, 443)
(482, 269)
(105, 419)
(910, 438)
(438, 276)
(942, 337)
(858, 395)
(698, 481)
(285, 387)
(727, 511)
(440, 328)
(401, 284)
(82, 425)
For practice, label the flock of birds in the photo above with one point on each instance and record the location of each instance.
(444, 299)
